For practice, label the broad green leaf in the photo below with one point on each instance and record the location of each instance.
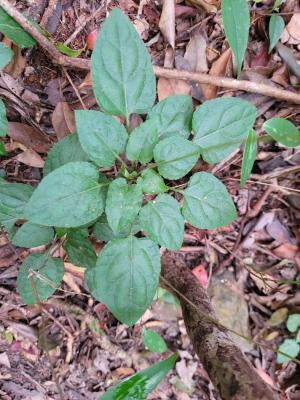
(142, 141)
(67, 50)
(207, 204)
(173, 116)
(13, 199)
(123, 204)
(6, 55)
(175, 157)
(276, 27)
(102, 230)
(3, 120)
(70, 196)
(39, 276)
(236, 20)
(283, 130)
(289, 347)
(162, 221)
(10, 28)
(153, 341)
(101, 136)
(32, 235)
(221, 125)
(164, 295)
(2, 149)
(249, 156)
(66, 150)
(293, 322)
(126, 277)
(122, 74)
(152, 183)
(141, 384)
(79, 249)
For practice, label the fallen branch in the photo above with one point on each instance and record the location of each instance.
(83, 64)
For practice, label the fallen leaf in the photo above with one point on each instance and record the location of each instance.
(196, 53)
(278, 316)
(286, 250)
(29, 137)
(201, 274)
(168, 87)
(293, 27)
(63, 120)
(124, 371)
(265, 376)
(86, 82)
(288, 56)
(207, 5)
(142, 27)
(186, 370)
(17, 64)
(167, 21)
(31, 158)
(278, 231)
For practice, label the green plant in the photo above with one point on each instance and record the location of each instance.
(290, 348)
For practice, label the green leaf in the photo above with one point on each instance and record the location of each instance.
(298, 337)
(79, 249)
(175, 157)
(66, 150)
(39, 276)
(207, 204)
(153, 341)
(13, 199)
(126, 277)
(236, 20)
(101, 136)
(142, 141)
(102, 230)
(162, 221)
(152, 183)
(141, 384)
(6, 55)
(249, 156)
(284, 131)
(3, 120)
(123, 204)
(289, 347)
(293, 322)
(10, 28)
(122, 74)
(67, 50)
(173, 116)
(70, 196)
(221, 125)
(32, 235)
(276, 27)
(2, 149)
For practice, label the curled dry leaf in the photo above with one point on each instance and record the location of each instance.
(286, 251)
(196, 53)
(288, 56)
(17, 64)
(168, 87)
(207, 5)
(63, 120)
(31, 158)
(29, 137)
(167, 21)
(293, 27)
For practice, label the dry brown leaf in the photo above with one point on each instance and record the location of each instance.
(196, 53)
(29, 137)
(286, 250)
(167, 21)
(86, 82)
(70, 281)
(17, 64)
(288, 56)
(293, 27)
(218, 69)
(168, 87)
(207, 5)
(74, 270)
(63, 120)
(31, 158)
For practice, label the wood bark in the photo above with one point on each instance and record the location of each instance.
(228, 368)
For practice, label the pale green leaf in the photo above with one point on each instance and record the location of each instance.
(102, 230)
(152, 183)
(175, 157)
(66, 150)
(283, 131)
(123, 204)
(126, 277)
(207, 204)
(10, 28)
(173, 116)
(162, 221)
(122, 74)
(101, 136)
(6, 55)
(153, 341)
(32, 235)
(221, 125)
(249, 156)
(236, 20)
(293, 322)
(276, 27)
(142, 141)
(70, 196)
(3, 120)
(291, 348)
(67, 50)
(39, 276)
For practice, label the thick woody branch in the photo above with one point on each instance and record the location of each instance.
(83, 64)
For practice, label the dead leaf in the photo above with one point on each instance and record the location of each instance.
(11, 84)
(207, 5)
(168, 87)
(29, 137)
(167, 21)
(201, 274)
(286, 250)
(278, 316)
(142, 27)
(31, 158)
(288, 56)
(124, 371)
(265, 376)
(218, 69)
(186, 370)
(293, 27)
(17, 64)
(86, 82)
(63, 120)
(196, 53)
(278, 231)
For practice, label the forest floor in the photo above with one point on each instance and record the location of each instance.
(250, 267)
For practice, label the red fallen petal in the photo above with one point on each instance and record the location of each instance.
(201, 274)
(91, 39)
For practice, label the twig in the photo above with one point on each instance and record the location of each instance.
(83, 64)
